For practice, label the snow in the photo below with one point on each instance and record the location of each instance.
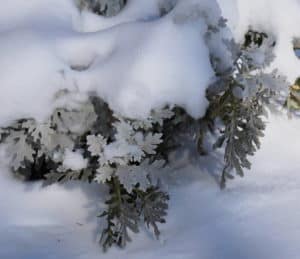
(161, 62)
(74, 160)
(278, 18)
(255, 217)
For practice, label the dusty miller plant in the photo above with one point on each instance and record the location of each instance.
(119, 152)
(239, 101)
(125, 154)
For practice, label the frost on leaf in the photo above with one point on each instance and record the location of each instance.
(44, 133)
(104, 174)
(124, 130)
(122, 216)
(130, 176)
(95, 144)
(154, 208)
(19, 150)
(149, 142)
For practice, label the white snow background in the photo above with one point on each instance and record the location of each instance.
(146, 61)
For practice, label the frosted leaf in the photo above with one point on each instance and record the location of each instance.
(158, 116)
(149, 143)
(20, 150)
(142, 124)
(274, 81)
(124, 130)
(102, 161)
(44, 133)
(136, 153)
(129, 176)
(95, 144)
(116, 153)
(104, 174)
(155, 169)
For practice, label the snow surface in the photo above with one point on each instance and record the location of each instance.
(255, 217)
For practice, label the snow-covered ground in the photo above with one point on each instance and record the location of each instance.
(255, 217)
(42, 44)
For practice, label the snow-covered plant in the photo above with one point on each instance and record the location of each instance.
(89, 142)
(239, 101)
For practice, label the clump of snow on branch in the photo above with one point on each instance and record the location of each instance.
(277, 18)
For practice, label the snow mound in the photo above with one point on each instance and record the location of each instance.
(135, 65)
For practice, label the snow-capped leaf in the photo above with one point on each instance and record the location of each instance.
(44, 133)
(124, 130)
(104, 174)
(117, 152)
(142, 124)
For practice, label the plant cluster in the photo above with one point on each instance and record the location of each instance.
(89, 142)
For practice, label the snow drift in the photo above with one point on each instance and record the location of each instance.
(136, 64)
